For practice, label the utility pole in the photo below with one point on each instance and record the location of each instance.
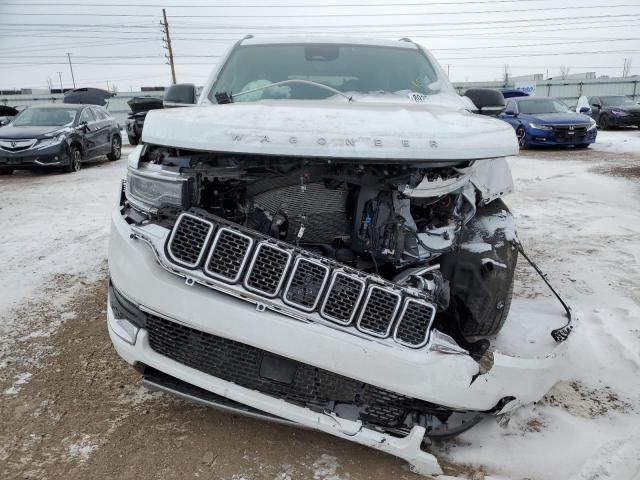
(167, 40)
(71, 68)
(60, 77)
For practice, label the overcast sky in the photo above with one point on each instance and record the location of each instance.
(120, 41)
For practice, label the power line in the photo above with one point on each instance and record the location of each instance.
(193, 25)
(316, 15)
(271, 6)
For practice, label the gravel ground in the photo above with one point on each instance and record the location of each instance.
(71, 409)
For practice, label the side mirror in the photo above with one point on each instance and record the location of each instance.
(84, 126)
(511, 113)
(596, 105)
(180, 95)
(584, 110)
(487, 101)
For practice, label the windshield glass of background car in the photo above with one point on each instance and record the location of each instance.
(348, 68)
(45, 117)
(541, 105)
(617, 100)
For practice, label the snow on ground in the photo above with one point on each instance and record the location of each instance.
(54, 228)
(618, 141)
(583, 228)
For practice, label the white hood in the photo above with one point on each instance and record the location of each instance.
(356, 130)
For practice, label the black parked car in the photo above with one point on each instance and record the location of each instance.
(7, 114)
(139, 107)
(58, 136)
(614, 111)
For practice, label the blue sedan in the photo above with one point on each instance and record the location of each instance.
(542, 121)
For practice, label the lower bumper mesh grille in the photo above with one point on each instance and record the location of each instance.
(242, 364)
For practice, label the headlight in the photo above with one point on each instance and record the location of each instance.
(620, 113)
(540, 127)
(592, 125)
(147, 191)
(50, 142)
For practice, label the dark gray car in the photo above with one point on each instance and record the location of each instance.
(58, 136)
(614, 111)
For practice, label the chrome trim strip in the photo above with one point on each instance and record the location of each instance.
(261, 245)
(244, 259)
(364, 307)
(429, 324)
(202, 250)
(320, 291)
(327, 295)
(158, 387)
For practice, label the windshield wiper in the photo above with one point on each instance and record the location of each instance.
(224, 97)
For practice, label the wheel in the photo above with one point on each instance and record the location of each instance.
(522, 137)
(582, 146)
(604, 123)
(76, 160)
(133, 140)
(6, 171)
(116, 149)
(481, 283)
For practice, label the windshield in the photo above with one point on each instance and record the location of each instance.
(45, 117)
(542, 105)
(347, 68)
(616, 100)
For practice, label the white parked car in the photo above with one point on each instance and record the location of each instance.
(321, 241)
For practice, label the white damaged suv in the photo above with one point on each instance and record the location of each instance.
(321, 241)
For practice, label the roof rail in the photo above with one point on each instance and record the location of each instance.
(406, 39)
(246, 37)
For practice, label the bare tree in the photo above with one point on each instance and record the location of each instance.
(49, 84)
(506, 76)
(627, 67)
(564, 72)
(114, 88)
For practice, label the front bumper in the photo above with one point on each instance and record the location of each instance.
(52, 157)
(452, 380)
(539, 137)
(624, 121)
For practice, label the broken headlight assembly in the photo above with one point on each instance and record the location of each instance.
(152, 190)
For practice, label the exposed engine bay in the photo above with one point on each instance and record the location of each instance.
(407, 224)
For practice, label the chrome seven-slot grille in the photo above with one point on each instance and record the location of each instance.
(273, 270)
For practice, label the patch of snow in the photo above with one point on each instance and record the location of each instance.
(83, 449)
(21, 379)
(476, 247)
(617, 141)
(325, 467)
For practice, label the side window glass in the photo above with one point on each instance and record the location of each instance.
(87, 116)
(100, 114)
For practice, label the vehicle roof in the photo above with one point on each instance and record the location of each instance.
(520, 99)
(328, 39)
(70, 106)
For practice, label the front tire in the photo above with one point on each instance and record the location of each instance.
(521, 133)
(75, 162)
(6, 171)
(133, 140)
(116, 149)
(604, 122)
